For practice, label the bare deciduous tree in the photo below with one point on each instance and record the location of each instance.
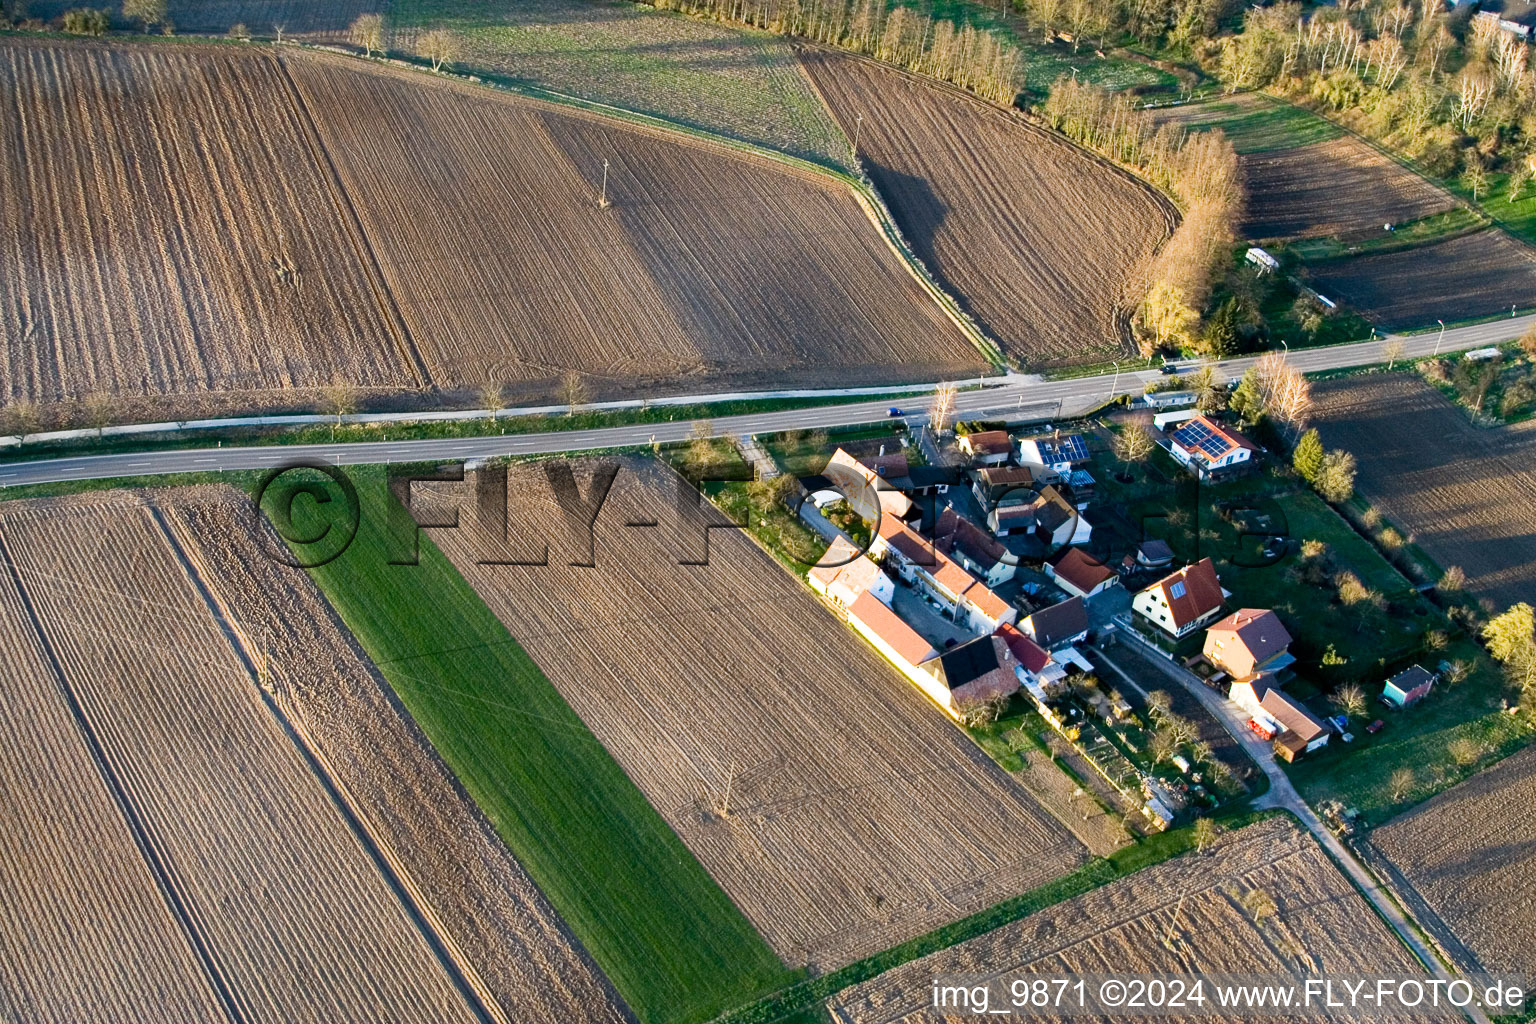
(942, 408)
(573, 389)
(439, 45)
(367, 31)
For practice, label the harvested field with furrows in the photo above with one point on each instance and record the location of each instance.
(86, 933)
(1467, 496)
(297, 904)
(707, 263)
(1265, 900)
(831, 801)
(1040, 240)
(481, 899)
(1343, 188)
(165, 235)
(1470, 853)
(1475, 275)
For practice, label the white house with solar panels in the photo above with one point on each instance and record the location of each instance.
(1208, 449)
(1060, 453)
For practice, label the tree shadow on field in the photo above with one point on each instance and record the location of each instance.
(919, 212)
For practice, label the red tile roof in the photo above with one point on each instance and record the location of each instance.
(907, 541)
(1289, 712)
(1080, 569)
(989, 442)
(1257, 630)
(1233, 439)
(1028, 653)
(987, 602)
(845, 564)
(889, 627)
(1191, 592)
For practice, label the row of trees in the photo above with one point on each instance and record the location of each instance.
(961, 54)
(1199, 169)
(1452, 91)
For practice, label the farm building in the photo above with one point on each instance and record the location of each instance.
(892, 637)
(1208, 449)
(872, 485)
(994, 484)
(1049, 517)
(1248, 642)
(1167, 400)
(975, 549)
(844, 575)
(988, 448)
(1079, 573)
(978, 670)
(1058, 626)
(965, 598)
(1300, 730)
(1059, 453)
(1183, 601)
(1409, 686)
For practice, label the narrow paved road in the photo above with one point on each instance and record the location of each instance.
(1282, 794)
(1018, 395)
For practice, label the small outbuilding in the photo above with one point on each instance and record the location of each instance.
(1409, 686)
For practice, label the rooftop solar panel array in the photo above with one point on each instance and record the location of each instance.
(1198, 435)
(1071, 448)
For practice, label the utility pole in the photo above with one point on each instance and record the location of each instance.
(1116, 385)
(858, 129)
(1178, 908)
(1441, 338)
(1287, 356)
(602, 201)
(725, 804)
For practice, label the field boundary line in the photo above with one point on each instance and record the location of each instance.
(407, 892)
(809, 170)
(343, 199)
(154, 858)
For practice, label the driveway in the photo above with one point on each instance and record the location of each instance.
(1282, 794)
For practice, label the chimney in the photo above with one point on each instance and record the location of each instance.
(882, 451)
(1057, 435)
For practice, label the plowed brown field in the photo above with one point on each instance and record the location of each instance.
(1470, 853)
(833, 803)
(1480, 274)
(1342, 187)
(706, 264)
(1467, 496)
(1187, 917)
(163, 233)
(368, 226)
(1039, 239)
(301, 854)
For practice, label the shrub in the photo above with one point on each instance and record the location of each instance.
(86, 21)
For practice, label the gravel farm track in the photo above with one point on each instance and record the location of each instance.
(826, 795)
(236, 817)
(1470, 853)
(1043, 242)
(1404, 434)
(378, 228)
(1191, 915)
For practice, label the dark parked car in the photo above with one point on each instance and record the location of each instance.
(1376, 727)
(1169, 370)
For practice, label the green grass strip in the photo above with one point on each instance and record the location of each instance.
(673, 944)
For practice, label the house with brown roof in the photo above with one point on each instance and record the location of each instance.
(843, 575)
(1209, 449)
(1058, 626)
(910, 557)
(1079, 573)
(902, 645)
(1248, 642)
(976, 671)
(872, 486)
(1183, 601)
(1300, 730)
(974, 548)
(1038, 669)
(988, 448)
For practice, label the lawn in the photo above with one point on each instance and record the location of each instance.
(1262, 127)
(1437, 227)
(673, 944)
(1518, 217)
(734, 82)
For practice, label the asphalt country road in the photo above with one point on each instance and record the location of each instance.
(1016, 395)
